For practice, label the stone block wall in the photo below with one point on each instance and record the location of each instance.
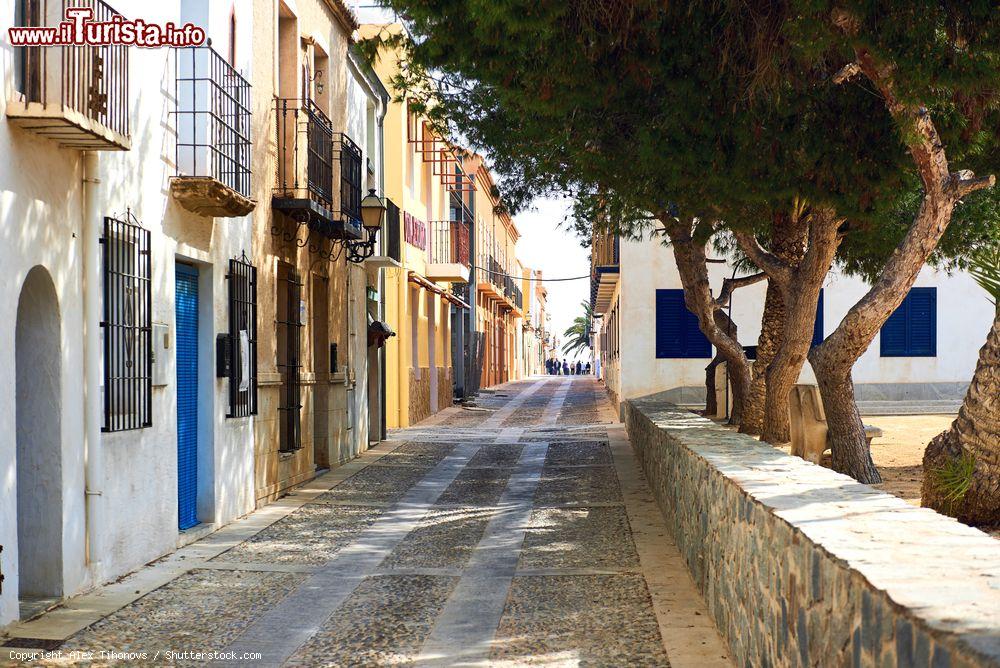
(420, 394)
(801, 566)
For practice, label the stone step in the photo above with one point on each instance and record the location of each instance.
(913, 407)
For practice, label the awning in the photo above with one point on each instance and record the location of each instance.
(455, 300)
(417, 279)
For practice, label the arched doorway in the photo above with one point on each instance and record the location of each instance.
(38, 371)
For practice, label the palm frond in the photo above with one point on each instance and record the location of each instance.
(985, 269)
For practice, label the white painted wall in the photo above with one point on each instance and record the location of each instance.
(41, 224)
(964, 316)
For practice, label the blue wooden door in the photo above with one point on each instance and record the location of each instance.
(187, 395)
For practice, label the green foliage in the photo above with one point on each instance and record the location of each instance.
(985, 268)
(720, 110)
(578, 334)
(953, 479)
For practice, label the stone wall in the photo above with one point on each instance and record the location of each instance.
(445, 388)
(803, 566)
(420, 394)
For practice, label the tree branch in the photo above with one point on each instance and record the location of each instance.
(965, 182)
(772, 265)
(730, 285)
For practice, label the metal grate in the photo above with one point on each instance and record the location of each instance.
(213, 118)
(242, 338)
(350, 178)
(127, 326)
(289, 358)
(92, 80)
(305, 148)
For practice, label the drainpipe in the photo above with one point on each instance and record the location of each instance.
(93, 466)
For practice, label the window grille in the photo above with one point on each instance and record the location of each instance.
(127, 326)
(350, 178)
(289, 331)
(242, 338)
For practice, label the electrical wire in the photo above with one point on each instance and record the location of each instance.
(537, 280)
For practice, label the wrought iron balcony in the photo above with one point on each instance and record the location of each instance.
(213, 135)
(310, 155)
(605, 253)
(74, 95)
(448, 251)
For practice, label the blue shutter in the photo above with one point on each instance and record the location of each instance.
(186, 296)
(678, 335)
(818, 326)
(922, 322)
(911, 331)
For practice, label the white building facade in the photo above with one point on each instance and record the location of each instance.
(125, 205)
(648, 342)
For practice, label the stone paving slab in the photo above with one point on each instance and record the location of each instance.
(421, 455)
(579, 538)
(312, 534)
(569, 453)
(599, 620)
(476, 487)
(384, 622)
(375, 483)
(444, 539)
(199, 611)
(564, 484)
(493, 456)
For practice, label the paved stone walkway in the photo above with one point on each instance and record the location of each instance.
(522, 534)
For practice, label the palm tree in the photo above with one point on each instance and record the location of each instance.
(578, 334)
(962, 465)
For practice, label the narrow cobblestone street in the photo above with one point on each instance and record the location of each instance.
(518, 533)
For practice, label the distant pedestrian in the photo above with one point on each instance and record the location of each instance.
(548, 367)
(565, 368)
(586, 369)
(579, 368)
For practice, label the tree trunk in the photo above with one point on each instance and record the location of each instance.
(833, 359)
(692, 266)
(974, 437)
(711, 403)
(772, 325)
(851, 456)
(804, 243)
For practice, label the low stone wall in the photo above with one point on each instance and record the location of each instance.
(801, 566)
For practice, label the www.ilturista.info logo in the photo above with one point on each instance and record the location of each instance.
(80, 30)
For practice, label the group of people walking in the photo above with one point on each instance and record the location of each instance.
(555, 367)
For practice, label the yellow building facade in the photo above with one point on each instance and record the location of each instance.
(420, 186)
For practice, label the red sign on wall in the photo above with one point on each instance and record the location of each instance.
(414, 231)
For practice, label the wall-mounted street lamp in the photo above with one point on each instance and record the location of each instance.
(372, 211)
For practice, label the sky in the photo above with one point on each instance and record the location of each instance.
(557, 252)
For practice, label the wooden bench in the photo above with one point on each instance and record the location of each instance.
(810, 435)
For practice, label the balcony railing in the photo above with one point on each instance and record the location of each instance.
(449, 242)
(314, 163)
(305, 152)
(75, 95)
(496, 272)
(213, 134)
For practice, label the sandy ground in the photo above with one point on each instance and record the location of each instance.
(900, 451)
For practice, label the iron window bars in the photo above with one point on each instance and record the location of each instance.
(349, 165)
(213, 118)
(242, 280)
(93, 80)
(289, 359)
(305, 140)
(127, 325)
